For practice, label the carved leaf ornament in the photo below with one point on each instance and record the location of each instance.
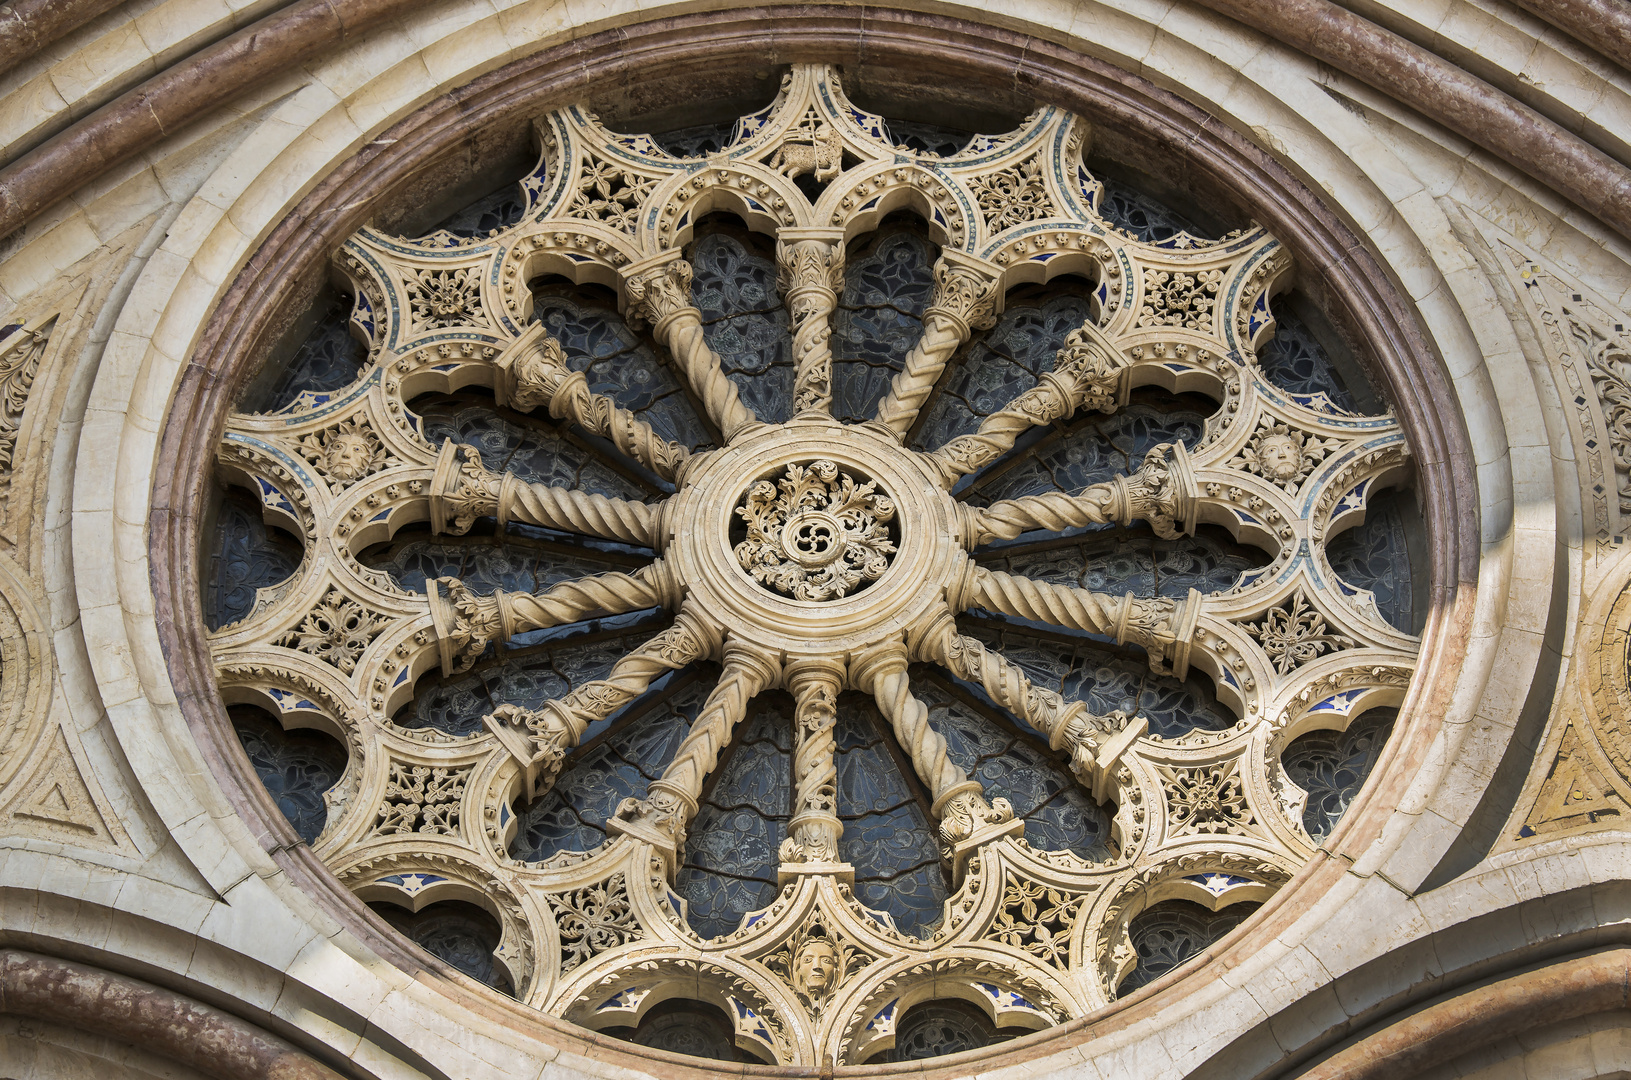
(809, 556)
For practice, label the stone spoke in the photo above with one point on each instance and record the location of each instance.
(1165, 628)
(464, 490)
(966, 298)
(814, 830)
(966, 818)
(465, 622)
(1094, 742)
(1087, 374)
(661, 818)
(539, 739)
(1162, 492)
(533, 373)
(811, 264)
(659, 292)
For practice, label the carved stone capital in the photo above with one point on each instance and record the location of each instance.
(465, 623)
(1161, 492)
(462, 489)
(659, 819)
(1088, 371)
(966, 293)
(657, 290)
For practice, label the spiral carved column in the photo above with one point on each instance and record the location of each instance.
(661, 818)
(966, 298)
(959, 800)
(540, 738)
(810, 275)
(1086, 374)
(661, 295)
(534, 373)
(464, 490)
(814, 831)
(1162, 492)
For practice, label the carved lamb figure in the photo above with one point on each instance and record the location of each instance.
(824, 156)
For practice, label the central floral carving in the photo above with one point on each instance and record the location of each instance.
(816, 534)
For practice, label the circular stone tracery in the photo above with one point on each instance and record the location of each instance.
(856, 584)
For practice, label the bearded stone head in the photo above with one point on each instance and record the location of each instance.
(348, 456)
(1279, 457)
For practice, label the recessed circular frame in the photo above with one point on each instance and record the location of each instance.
(291, 460)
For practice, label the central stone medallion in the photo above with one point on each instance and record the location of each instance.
(816, 533)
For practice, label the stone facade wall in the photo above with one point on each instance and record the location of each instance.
(1456, 176)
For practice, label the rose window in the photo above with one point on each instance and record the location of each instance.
(822, 589)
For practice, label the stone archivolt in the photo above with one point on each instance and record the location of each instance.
(599, 937)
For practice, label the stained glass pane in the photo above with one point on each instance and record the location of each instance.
(1093, 447)
(493, 211)
(731, 855)
(297, 767)
(888, 835)
(999, 364)
(461, 934)
(698, 141)
(1376, 556)
(603, 772)
(1332, 766)
(626, 366)
(934, 1029)
(1168, 933)
(1106, 678)
(246, 554)
(743, 319)
(329, 358)
(526, 677)
(1011, 764)
(1141, 216)
(888, 281)
(928, 138)
(526, 560)
(1295, 361)
(532, 448)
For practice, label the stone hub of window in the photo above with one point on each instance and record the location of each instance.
(837, 536)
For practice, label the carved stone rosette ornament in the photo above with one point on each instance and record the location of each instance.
(813, 557)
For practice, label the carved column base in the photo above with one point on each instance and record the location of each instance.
(1094, 769)
(963, 850)
(657, 821)
(792, 871)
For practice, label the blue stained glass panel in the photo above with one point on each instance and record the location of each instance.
(1142, 217)
(731, 856)
(247, 554)
(1332, 766)
(1168, 933)
(493, 211)
(329, 358)
(533, 450)
(525, 677)
(572, 815)
(461, 934)
(743, 319)
(888, 835)
(624, 365)
(928, 138)
(888, 282)
(1058, 814)
(1376, 556)
(1295, 361)
(1107, 678)
(296, 767)
(999, 364)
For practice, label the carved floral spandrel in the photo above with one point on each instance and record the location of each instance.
(815, 557)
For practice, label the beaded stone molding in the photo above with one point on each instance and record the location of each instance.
(853, 565)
